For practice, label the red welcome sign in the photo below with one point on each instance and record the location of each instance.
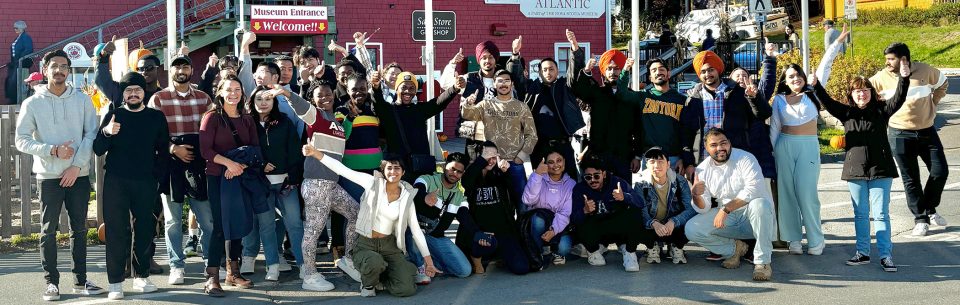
(284, 19)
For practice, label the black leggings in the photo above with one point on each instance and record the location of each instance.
(219, 248)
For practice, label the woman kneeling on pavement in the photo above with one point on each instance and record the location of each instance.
(386, 212)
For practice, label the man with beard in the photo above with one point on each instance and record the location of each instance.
(183, 107)
(611, 119)
(479, 83)
(136, 160)
(554, 107)
(57, 125)
(718, 103)
(148, 66)
(733, 205)
(659, 110)
(911, 134)
(440, 199)
(509, 124)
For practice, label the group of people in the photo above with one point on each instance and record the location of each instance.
(560, 166)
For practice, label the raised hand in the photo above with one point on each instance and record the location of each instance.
(542, 169)
(213, 60)
(277, 90)
(333, 46)
(592, 62)
(109, 47)
(184, 50)
(618, 192)
(461, 81)
(812, 79)
(112, 128)
(572, 38)
(375, 79)
(904, 67)
(629, 64)
(843, 34)
(751, 89)
(517, 44)
(248, 38)
(458, 57)
(471, 100)
(359, 38)
(770, 48)
(698, 186)
(589, 206)
(319, 70)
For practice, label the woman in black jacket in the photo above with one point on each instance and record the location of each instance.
(869, 168)
(284, 165)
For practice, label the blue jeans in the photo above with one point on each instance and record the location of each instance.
(265, 228)
(289, 212)
(754, 221)
(173, 224)
(518, 181)
(447, 257)
(871, 201)
(539, 226)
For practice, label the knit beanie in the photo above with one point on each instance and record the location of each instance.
(406, 77)
(132, 79)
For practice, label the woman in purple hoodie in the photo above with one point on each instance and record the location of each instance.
(549, 188)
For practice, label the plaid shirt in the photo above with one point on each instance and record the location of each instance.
(712, 110)
(183, 112)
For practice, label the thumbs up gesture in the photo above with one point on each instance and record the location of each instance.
(461, 81)
(517, 44)
(311, 151)
(618, 192)
(542, 169)
(431, 198)
(109, 47)
(458, 57)
(113, 127)
(184, 50)
(589, 206)
(213, 60)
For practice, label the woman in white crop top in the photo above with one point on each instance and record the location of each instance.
(793, 133)
(386, 213)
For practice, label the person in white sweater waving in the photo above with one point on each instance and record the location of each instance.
(386, 212)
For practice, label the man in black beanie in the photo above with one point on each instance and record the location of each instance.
(136, 159)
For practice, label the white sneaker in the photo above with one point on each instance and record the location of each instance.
(920, 230)
(116, 291)
(677, 254)
(580, 250)
(364, 292)
(52, 293)
(630, 263)
(346, 264)
(936, 219)
(422, 278)
(143, 285)
(559, 259)
(596, 258)
(653, 254)
(284, 266)
(176, 276)
(818, 250)
(796, 248)
(247, 264)
(273, 273)
(316, 282)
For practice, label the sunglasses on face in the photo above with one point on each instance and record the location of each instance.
(146, 68)
(589, 177)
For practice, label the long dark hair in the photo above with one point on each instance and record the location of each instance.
(783, 88)
(218, 100)
(274, 116)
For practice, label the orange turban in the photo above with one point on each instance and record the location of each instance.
(612, 55)
(707, 57)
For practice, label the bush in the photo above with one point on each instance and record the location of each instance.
(937, 15)
(845, 68)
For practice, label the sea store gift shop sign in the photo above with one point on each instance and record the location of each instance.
(277, 19)
(562, 8)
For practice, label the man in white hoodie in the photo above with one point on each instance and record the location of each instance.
(57, 125)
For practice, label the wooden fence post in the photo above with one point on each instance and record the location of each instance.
(6, 169)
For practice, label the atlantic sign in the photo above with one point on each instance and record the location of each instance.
(562, 8)
(285, 19)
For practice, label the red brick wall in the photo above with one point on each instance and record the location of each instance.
(474, 19)
(50, 21)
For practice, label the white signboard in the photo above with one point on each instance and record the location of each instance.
(760, 6)
(850, 9)
(562, 8)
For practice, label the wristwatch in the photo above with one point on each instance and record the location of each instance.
(725, 210)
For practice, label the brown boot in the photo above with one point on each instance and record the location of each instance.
(477, 265)
(234, 278)
(212, 286)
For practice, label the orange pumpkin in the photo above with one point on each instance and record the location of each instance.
(102, 233)
(838, 142)
(136, 55)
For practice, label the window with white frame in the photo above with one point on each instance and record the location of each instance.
(561, 53)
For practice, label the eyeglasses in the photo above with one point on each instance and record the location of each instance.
(146, 68)
(503, 81)
(860, 91)
(589, 177)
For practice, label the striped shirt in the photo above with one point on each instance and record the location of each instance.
(362, 149)
(183, 112)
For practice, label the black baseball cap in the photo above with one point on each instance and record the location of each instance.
(181, 60)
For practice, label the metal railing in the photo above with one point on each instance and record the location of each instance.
(146, 24)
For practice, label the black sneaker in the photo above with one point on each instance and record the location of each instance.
(191, 248)
(858, 259)
(87, 288)
(888, 265)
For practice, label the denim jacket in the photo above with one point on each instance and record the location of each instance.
(679, 208)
